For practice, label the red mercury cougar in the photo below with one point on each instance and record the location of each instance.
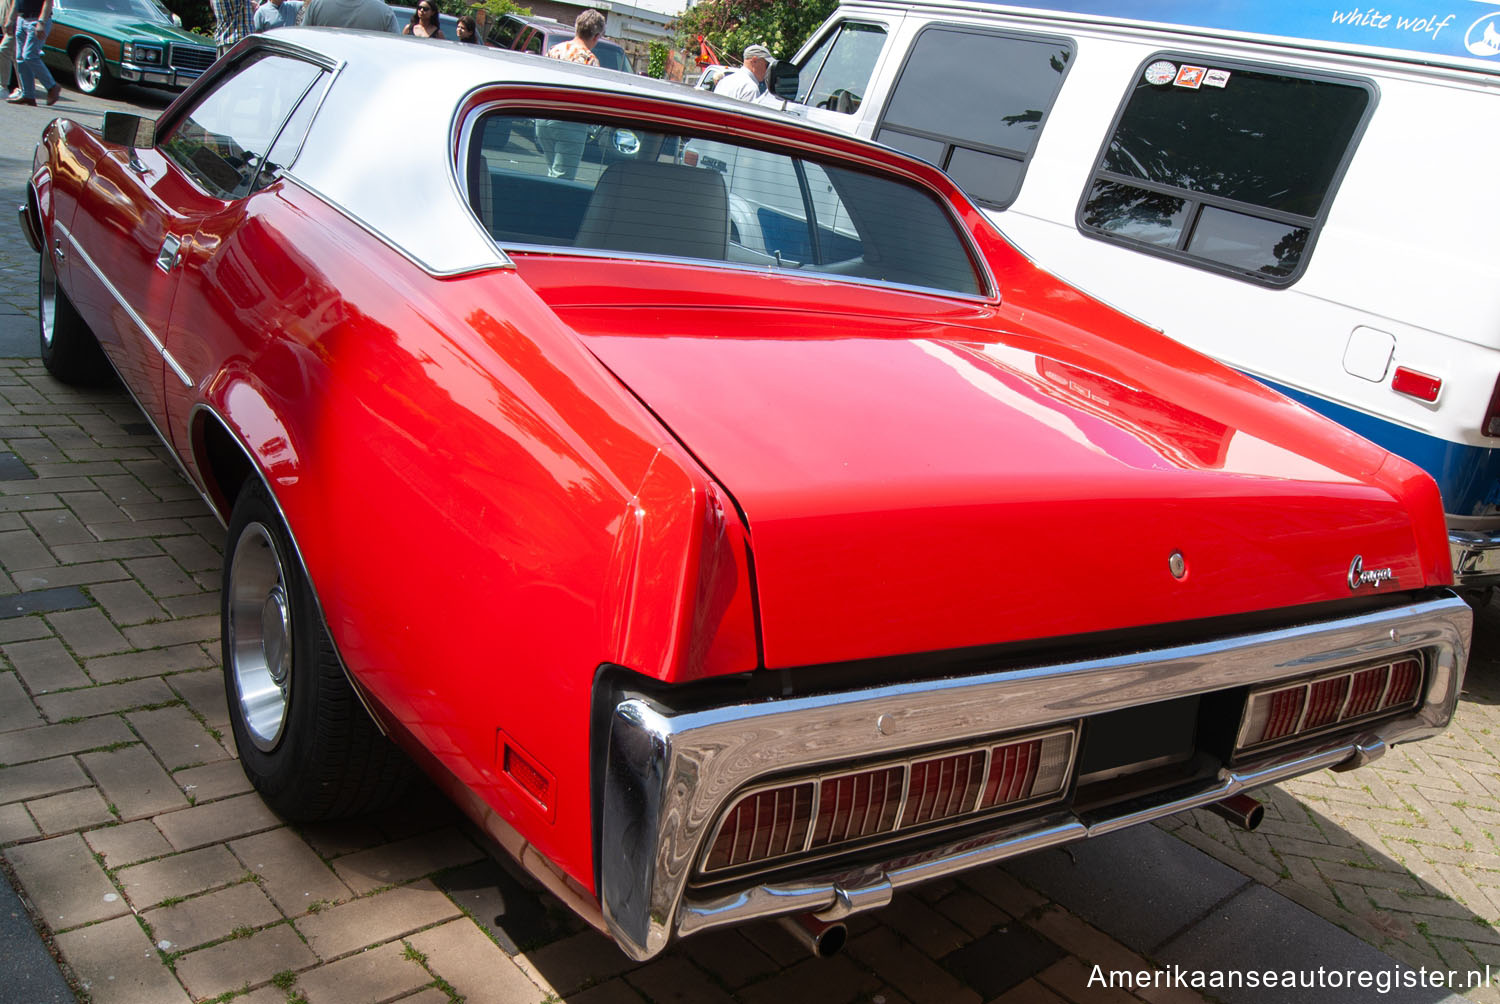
(718, 508)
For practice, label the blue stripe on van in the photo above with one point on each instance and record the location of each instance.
(1455, 29)
(1468, 476)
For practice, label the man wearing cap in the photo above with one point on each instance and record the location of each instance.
(749, 81)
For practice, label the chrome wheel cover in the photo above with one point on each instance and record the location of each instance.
(88, 68)
(46, 285)
(259, 626)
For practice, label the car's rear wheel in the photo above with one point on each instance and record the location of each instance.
(89, 70)
(68, 348)
(304, 739)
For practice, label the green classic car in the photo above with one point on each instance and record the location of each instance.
(102, 42)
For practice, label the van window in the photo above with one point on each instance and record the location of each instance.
(974, 103)
(1227, 167)
(836, 73)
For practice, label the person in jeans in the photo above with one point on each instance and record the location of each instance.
(8, 51)
(562, 142)
(33, 21)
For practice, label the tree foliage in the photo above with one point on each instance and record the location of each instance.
(494, 8)
(730, 25)
(656, 61)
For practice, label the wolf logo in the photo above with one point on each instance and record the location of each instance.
(1483, 38)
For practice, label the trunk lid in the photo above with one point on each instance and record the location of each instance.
(919, 473)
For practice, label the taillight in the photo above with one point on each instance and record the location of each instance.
(838, 809)
(1418, 385)
(1026, 770)
(764, 825)
(943, 787)
(1312, 705)
(1491, 424)
(857, 805)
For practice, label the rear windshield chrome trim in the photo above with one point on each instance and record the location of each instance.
(787, 273)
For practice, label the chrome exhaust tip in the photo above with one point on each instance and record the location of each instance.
(823, 938)
(1242, 810)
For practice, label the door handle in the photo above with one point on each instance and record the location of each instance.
(170, 254)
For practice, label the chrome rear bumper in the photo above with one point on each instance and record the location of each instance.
(669, 774)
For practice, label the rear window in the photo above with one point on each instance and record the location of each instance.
(974, 104)
(617, 188)
(1227, 167)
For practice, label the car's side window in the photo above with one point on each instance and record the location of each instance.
(622, 188)
(1224, 166)
(974, 103)
(223, 141)
(837, 73)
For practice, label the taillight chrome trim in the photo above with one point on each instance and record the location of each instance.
(1244, 746)
(899, 829)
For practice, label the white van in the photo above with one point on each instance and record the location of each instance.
(1305, 191)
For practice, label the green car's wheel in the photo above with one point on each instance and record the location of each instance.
(89, 71)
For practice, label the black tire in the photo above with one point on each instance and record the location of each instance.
(90, 71)
(68, 348)
(323, 757)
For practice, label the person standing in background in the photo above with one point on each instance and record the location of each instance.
(561, 141)
(749, 81)
(367, 15)
(233, 20)
(424, 21)
(8, 51)
(33, 21)
(277, 14)
(468, 29)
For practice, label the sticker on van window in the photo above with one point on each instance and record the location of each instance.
(1190, 76)
(1216, 78)
(1161, 72)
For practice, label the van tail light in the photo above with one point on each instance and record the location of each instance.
(1491, 424)
(1417, 385)
(1310, 706)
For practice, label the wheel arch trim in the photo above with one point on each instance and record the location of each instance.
(204, 416)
